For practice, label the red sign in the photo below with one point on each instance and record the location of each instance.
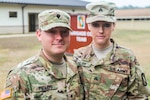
(80, 36)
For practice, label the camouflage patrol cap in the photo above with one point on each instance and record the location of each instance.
(101, 11)
(53, 18)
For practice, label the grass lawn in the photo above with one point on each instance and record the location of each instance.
(13, 51)
(16, 49)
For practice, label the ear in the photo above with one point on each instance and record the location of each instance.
(38, 34)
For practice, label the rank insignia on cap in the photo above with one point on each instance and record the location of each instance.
(58, 16)
(100, 10)
(5, 94)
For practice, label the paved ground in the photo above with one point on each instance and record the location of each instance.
(17, 35)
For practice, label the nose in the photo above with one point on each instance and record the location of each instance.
(58, 35)
(100, 29)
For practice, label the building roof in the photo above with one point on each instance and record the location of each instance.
(48, 2)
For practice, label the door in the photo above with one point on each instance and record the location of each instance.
(33, 24)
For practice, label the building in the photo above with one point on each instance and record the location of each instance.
(20, 16)
(133, 19)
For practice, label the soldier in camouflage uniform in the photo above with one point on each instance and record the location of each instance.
(108, 71)
(48, 75)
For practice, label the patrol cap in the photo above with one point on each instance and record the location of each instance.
(101, 11)
(53, 18)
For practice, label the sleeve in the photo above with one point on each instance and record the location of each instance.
(17, 87)
(77, 56)
(138, 85)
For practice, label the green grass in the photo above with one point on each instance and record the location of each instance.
(15, 50)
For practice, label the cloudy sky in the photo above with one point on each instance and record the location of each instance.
(120, 3)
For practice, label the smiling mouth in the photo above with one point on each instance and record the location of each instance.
(101, 37)
(58, 43)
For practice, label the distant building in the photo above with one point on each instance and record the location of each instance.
(133, 19)
(20, 16)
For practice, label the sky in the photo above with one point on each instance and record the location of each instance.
(120, 3)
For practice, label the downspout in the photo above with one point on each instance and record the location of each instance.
(23, 26)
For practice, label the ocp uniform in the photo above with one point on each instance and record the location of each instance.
(117, 76)
(37, 79)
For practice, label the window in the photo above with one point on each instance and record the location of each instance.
(12, 14)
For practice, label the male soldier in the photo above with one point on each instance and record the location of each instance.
(108, 71)
(48, 75)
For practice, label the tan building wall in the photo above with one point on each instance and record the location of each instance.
(133, 25)
(133, 19)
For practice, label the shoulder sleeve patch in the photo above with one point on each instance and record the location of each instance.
(7, 93)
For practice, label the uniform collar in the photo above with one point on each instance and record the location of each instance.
(50, 67)
(110, 58)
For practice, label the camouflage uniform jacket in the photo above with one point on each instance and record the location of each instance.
(37, 79)
(118, 76)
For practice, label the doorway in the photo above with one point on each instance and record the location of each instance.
(33, 22)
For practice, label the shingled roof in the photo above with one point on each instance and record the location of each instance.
(47, 2)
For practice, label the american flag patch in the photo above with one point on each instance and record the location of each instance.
(5, 94)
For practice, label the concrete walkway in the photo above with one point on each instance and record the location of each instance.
(17, 35)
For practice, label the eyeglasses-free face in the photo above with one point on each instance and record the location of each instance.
(104, 25)
(101, 33)
(55, 40)
(64, 32)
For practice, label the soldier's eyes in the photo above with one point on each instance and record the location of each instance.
(63, 32)
(104, 25)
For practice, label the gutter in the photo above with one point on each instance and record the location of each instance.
(23, 26)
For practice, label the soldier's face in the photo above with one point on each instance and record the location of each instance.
(101, 32)
(55, 40)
